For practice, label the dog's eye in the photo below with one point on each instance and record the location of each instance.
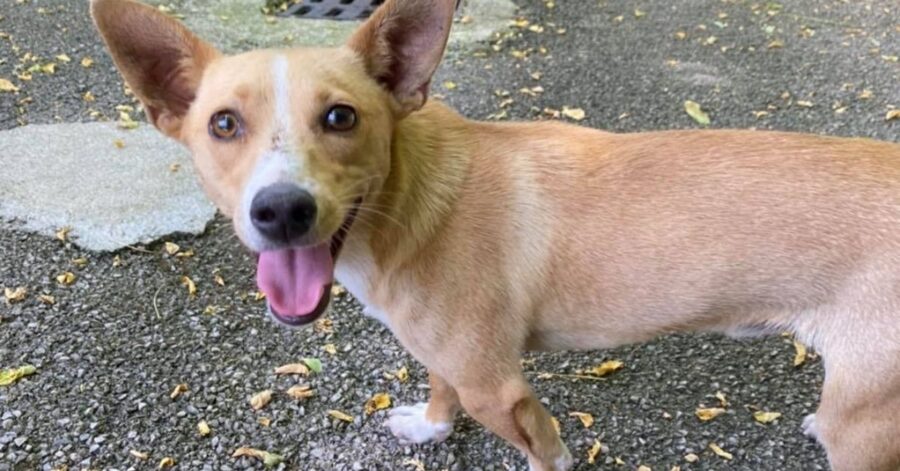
(340, 118)
(224, 125)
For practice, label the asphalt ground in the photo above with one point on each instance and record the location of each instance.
(117, 342)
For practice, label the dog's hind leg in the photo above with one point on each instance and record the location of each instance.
(431, 422)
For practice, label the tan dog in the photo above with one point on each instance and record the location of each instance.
(476, 241)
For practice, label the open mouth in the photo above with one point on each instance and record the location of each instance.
(297, 281)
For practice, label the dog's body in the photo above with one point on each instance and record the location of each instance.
(476, 241)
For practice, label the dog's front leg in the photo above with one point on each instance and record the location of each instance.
(432, 422)
(511, 410)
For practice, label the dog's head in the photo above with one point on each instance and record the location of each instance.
(288, 143)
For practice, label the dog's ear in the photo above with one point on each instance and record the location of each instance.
(159, 58)
(402, 44)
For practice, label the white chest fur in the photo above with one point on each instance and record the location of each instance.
(354, 271)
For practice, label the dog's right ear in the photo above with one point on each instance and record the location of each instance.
(160, 59)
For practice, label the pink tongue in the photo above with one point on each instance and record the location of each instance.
(295, 280)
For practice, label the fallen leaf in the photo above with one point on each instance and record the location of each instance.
(7, 86)
(10, 376)
(619, 461)
(420, 466)
(448, 85)
(292, 369)
(720, 452)
(377, 402)
(691, 458)
(301, 392)
(722, 400)
(799, 353)
(707, 414)
(120, 144)
(340, 415)
(644, 468)
(325, 326)
(805, 104)
(264, 421)
(185, 254)
(80, 262)
(402, 374)
(66, 278)
(776, 44)
(174, 167)
(179, 390)
(586, 419)
(694, 111)
(330, 349)
(139, 455)
(166, 463)
(172, 248)
(639, 13)
(63, 58)
(606, 368)
(892, 115)
(576, 114)
(866, 94)
(314, 364)
(88, 97)
(189, 284)
(203, 428)
(47, 299)
(261, 399)
(337, 290)
(15, 295)
(270, 460)
(87, 62)
(766, 417)
(62, 234)
(219, 280)
(594, 451)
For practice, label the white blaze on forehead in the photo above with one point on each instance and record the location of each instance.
(282, 94)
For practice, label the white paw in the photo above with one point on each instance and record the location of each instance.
(408, 423)
(809, 426)
(563, 463)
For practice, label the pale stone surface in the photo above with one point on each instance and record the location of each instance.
(237, 25)
(74, 175)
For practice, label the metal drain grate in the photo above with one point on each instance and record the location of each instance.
(332, 9)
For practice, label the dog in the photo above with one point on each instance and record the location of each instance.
(474, 242)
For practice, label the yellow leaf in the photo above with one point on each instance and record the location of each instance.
(594, 451)
(87, 62)
(707, 414)
(340, 415)
(189, 284)
(418, 465)
(166, 463)
(639, 13)
(139, 455)
(63, 58)
(721, 397)
(203, 428)
(172, 248)
(866, 94)
(7, 86)
(805, 104)
(586, 419)
(261, 399)
(776, 44)
(619, 461)
(643, 468)
(15, 295)
(330, 349)
(799, 353)
(270, 460)
(219, 280)
(691, 458)
(606, 368)
(49, 68)
(66, 278)
(264, 421)
(80, 262)
(337, 290)
(448, 85)
(10, 376)
(766, 417)
(325, 326)
(179, 390)
(720, 452)
(892, 115)
(402, 375)
(88, 97)
(120, 144)
(292, 369)
(259, 296)
(377, 402)
(47, 299)
(694, 110)
(63, 234)
(576, 114)
(301, 392)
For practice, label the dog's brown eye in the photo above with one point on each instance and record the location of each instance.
(224, 125)
(340, 118)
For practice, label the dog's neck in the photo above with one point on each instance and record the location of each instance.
(429, 162)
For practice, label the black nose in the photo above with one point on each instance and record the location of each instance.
(283, 212)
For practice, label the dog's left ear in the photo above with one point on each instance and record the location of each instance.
(402, 44)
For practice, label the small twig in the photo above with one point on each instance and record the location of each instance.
(155, 306)
(138, 249)
(561, 375)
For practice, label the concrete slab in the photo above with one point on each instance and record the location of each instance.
(236, 25)
(77, 176)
